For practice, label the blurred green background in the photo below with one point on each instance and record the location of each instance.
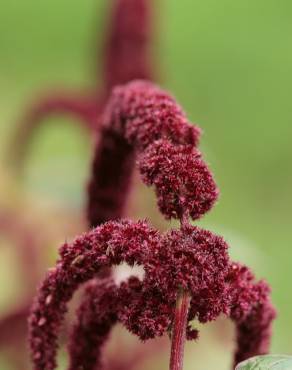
(229, 63)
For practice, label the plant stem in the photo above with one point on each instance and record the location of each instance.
(179, 330)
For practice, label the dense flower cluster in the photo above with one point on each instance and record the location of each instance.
(100, 310)
(148, 123)
(141, 118)
(109, 244)
(194, 259)
(182, 180)
(197, 261)
(96, 316)
(253, 322)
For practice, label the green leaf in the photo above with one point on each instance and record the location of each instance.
(268, 362)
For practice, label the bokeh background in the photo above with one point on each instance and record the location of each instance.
(229, 63)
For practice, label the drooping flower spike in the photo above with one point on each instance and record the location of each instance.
(188, 274)
(96, 317)
(108, 244)
(129, 37)
(252, 312)
(141, 120)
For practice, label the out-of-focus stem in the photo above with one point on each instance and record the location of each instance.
(179, 330)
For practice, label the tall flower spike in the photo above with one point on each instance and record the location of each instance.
(126, 57)
(127, 54)
(144, 120)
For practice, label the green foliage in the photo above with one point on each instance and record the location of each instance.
(269, 362)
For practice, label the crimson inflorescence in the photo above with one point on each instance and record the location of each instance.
(142, 121)
(95, 319)
(253, 321)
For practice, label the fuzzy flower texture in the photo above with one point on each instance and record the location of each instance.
(187, 271)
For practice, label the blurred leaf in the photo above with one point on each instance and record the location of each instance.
(269, 362)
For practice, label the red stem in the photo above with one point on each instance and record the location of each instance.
(179, 330)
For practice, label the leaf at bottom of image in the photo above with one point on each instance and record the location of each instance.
(268, 362)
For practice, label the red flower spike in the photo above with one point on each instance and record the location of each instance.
(144, 310)
(140, 117)
(254, 334)
(95, 318)
(196, 261)
(181, 179)
(252, 312)
(111, 180)
(143, 113)
(109, 244)
(143, 119)
(127, 47)
(190, 258)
